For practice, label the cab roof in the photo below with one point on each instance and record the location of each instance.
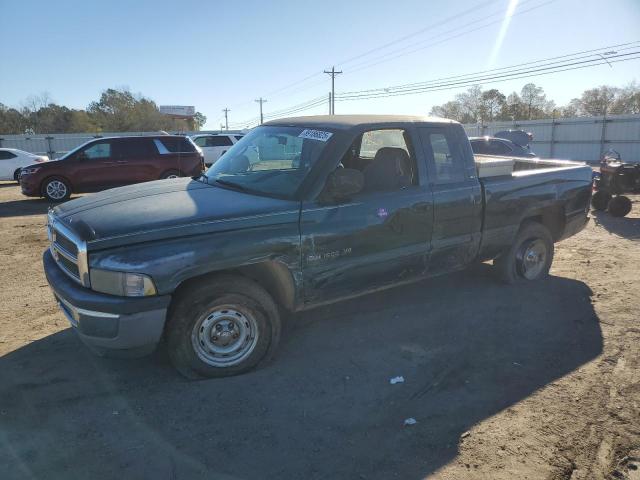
(345, 122)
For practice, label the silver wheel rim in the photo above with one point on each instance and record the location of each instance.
(225, 336)
(173, 175)
(56, 189)
(532, 259)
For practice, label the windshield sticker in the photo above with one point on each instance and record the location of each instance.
(315, 135)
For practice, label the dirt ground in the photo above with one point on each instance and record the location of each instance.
(526, 382)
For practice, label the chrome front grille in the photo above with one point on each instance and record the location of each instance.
(69, 251)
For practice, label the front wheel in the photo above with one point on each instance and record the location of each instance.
(221, 327)
(56, 189)
(530, 256)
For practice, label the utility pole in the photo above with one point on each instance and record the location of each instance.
(261, 101)
(329, 103)
(226, 117)
(333, 74)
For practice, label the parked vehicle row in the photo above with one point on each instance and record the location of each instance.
(298, 213)
(111, 162)
(499, 147)
(215, 145)
(13, 160)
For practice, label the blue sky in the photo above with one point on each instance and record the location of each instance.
(226, 54)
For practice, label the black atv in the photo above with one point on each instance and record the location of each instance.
(616, 178)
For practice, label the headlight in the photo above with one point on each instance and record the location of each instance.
(122, 283)
(30, 170)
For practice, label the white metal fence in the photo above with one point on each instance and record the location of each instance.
(581, 138)
(57, 144)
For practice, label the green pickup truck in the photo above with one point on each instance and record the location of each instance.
(300, 212)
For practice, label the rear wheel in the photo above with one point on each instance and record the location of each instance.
(600, 200)
(56, 189)
(221, 327)
(530, 256)
(16, 175)
(170, 174)
(619, 206)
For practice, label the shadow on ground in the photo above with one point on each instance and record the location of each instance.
(627, 227)
(28, 206)
(467, 348)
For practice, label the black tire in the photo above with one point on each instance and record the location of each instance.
(16, 175)
(56, 189)
(194, 318)
(170, 174)
(600, 200)
(530, 256)
(619, 206)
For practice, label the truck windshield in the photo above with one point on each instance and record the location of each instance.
(270, 160)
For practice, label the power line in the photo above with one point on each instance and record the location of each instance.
(512, 69)
(403, 51)
(399, 40)
(626, 46)
(495, 79)
(286, 111)
(418, 32)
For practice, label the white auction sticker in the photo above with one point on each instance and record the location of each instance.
(315, 135)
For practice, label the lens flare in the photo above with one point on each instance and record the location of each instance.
(503, 32)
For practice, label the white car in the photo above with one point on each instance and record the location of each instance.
(13, 160)
(214, 145)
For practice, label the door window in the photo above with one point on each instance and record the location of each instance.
(201, 141)
(447, 161)
(134, 147)
(374, 140)
(5, 155)
(98, 150)
(219, 141)
(496, 147)
(385, 160)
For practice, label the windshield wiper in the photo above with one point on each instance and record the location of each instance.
(233, 185)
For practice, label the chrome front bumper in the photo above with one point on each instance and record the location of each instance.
(106, 322)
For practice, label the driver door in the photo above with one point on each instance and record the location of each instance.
(96, 167)
(379, 237)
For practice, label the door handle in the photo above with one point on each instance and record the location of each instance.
(122, 161)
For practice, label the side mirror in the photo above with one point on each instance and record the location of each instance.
(81, 156)
(343, 183)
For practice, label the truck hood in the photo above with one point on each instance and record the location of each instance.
(168, 209)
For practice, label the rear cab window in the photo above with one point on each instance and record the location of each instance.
(445, 157)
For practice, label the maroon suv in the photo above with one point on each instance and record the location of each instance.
(111, 162)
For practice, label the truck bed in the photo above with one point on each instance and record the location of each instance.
(496, 166)
(545, 187)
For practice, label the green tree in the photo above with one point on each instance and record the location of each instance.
(534, 101)
(492, 104)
